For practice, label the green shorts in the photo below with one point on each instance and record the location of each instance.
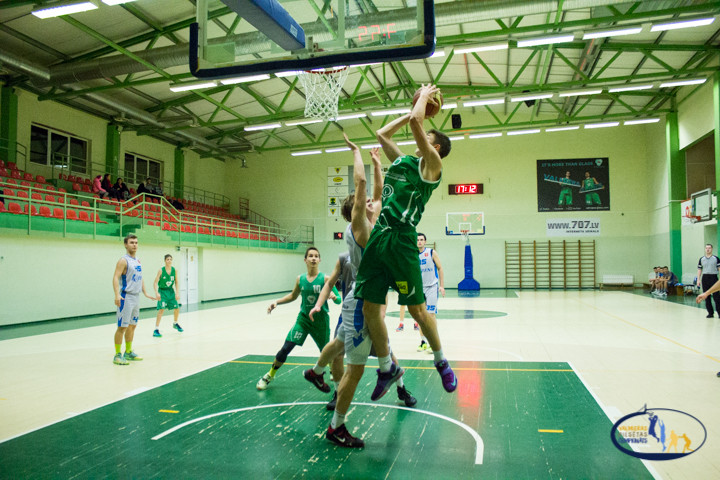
(390, 259)
(319, 330)
(167, 299)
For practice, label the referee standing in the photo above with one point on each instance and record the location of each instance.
(707, 276)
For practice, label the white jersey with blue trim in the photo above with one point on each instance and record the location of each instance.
(428, 268)
(131, 281)
(355, 250)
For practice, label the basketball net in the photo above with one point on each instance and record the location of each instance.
(465, 232)
(322, 91)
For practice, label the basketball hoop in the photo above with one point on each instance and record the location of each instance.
(322, 91)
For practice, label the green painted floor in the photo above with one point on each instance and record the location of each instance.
(536, 420)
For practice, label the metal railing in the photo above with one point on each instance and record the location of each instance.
(19, 149)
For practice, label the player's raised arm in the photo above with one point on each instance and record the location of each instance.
(287, 298)
(325, 292)
(384, 136)
(432, 163)
(377, 173)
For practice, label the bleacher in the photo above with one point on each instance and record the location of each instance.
(31, 203)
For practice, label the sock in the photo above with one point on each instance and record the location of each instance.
(337, 420)
(385, 363)
(118, 347)
(438, 355)
(128, 347)
(318, 369)
(273, 371)
(400, 382)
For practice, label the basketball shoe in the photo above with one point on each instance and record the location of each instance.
(340, 436)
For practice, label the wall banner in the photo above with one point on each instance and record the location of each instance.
(570, 185)
(573, 227)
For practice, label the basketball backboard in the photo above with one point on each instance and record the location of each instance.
(278, 36)
(465, 223)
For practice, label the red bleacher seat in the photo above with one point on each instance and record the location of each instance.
(74, 202)
(83, 215)
(58, 213)
(26, 184)
(48, 198)
(3, 172)
(36, 196)
(86, 189)
(2, 207)
(12, 166)
(33, 210)
(29, 177)
(76, 187)
(62, 176)
(87, 181)
(15, 174)
(9, 192)
(45, 211)
(22, 194)
(72, 215)
(61, 190)
(49, 187)
(14, 207)
(39, 179)
(85, 204)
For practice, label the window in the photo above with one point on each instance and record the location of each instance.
(138, 168)
(58, 149)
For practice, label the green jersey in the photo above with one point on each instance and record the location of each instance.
(309, 292)
(167, 280)
(588, 184)
(405, 193)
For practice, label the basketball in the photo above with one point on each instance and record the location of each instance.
(431, 109)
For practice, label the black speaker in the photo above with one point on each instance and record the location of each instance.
(456, 120)
(528, 103)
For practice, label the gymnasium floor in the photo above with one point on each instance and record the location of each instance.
(542, 377)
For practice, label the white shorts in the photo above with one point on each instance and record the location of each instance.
(431, 298)
(354, 331)
(129, 310)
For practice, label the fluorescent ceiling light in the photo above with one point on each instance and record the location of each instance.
(575, 93)
(641, 121)
(368, 147)
(537, 96)
(338, 149)
(303, 122)
(523, 132)
(406, 142)
(306, 152)
(532, 42)
(483, 48)
(489, 101)
(562, 129)
(486, 135)
(616, 32)
(116, 2)
(448, 106)
(630, 88)
(183, 87)
(397, 111)
(267, 126)
(696, 22)
(63, 8)
(251, 78)
(288, 74)
(457, 138)
(679, 83)
(602, 125)
(350, 116)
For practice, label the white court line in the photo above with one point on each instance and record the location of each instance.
(479, 445)
(609, 412)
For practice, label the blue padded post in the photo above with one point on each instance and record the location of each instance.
(468, 283)
(270, 18)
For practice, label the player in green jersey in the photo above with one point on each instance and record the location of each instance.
(391, 256)
(308, 286)
(167, 287)
(589, 183)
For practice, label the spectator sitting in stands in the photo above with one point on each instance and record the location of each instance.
(147, 188)
(107, 185)
(176, 203)
(122, 189)
(97, 187)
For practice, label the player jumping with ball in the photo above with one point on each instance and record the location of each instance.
(390, 258)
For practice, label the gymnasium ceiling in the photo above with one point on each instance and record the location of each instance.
(117, 62)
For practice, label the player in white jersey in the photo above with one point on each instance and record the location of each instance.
(127, 299)
(433, 279)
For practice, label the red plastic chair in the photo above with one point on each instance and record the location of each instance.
(58, 213)
(14, 208)
(74, 202)
(3, 172)
(86, 189)
(33, 210)
(61, 190)
(29, 177)
(83, 215)
(15, 174)
(48, 198)
(76, 187)
(49, 187)
(45, 211)
(12, 166)
(22, 194)
(72, 215)
(40, 179)
(2, 207)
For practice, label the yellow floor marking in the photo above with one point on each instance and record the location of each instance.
(430, 368)
(650, 331)
(550, 431)
(169, 411)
